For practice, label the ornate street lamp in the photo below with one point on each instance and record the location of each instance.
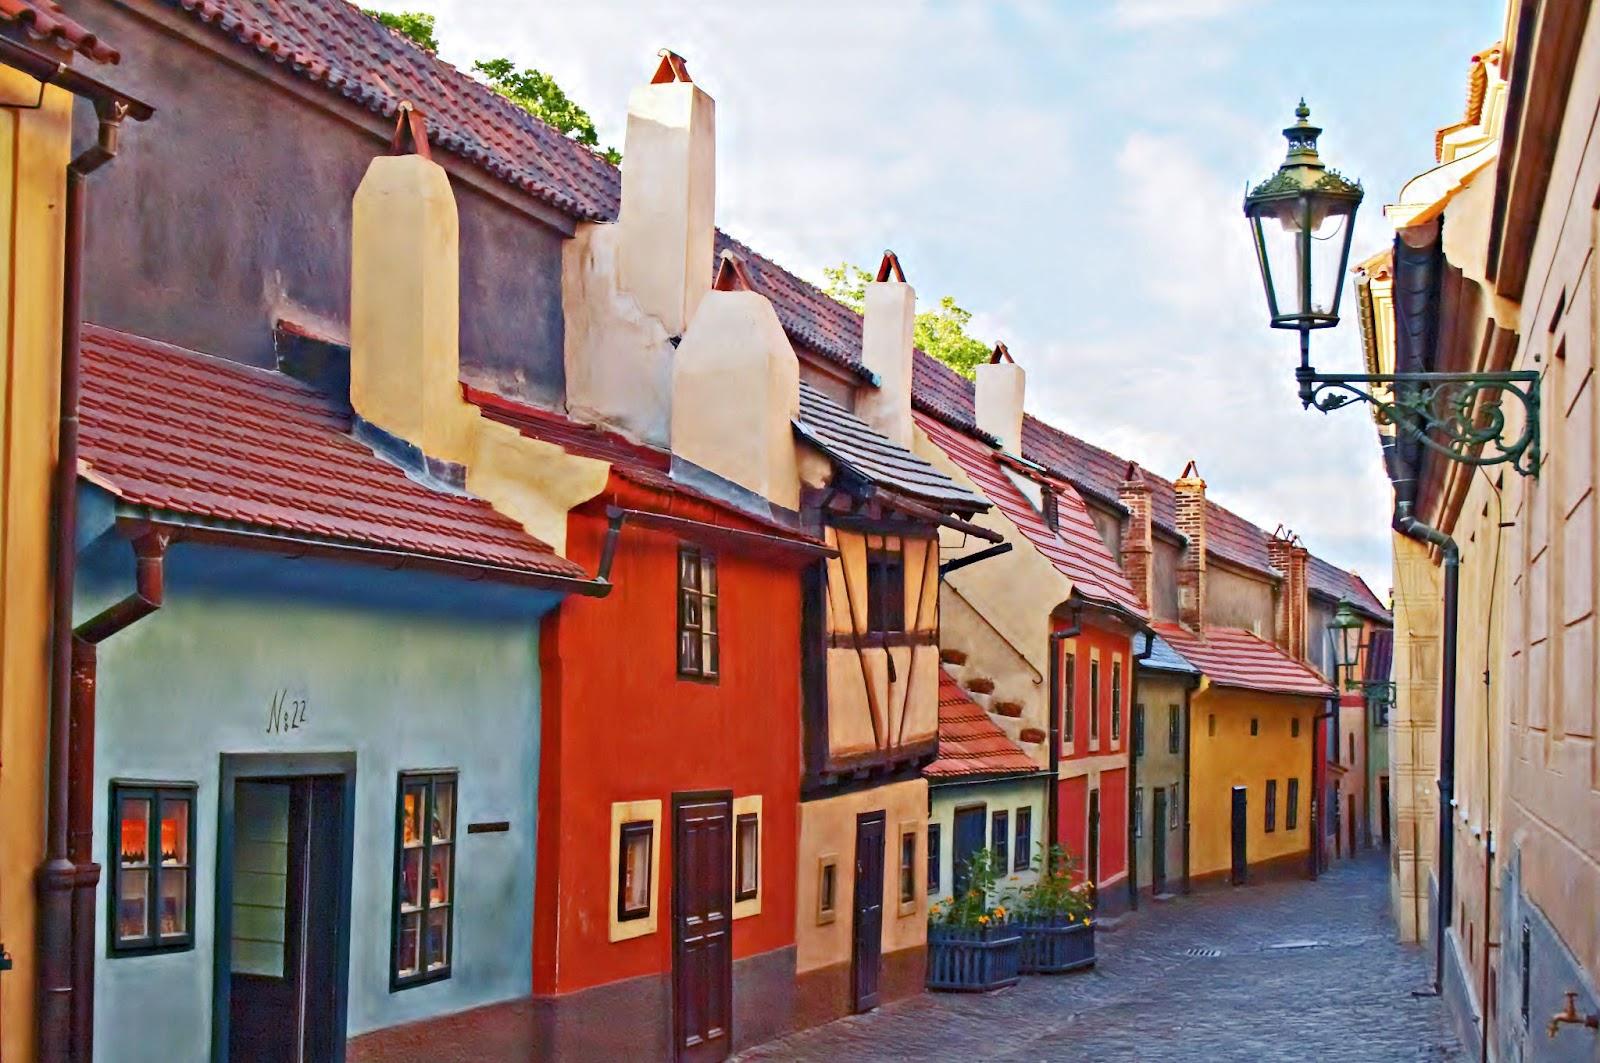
(1345, 630)
(1302, 219)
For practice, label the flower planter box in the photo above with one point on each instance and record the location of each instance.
(1056, 948)
(973, 961)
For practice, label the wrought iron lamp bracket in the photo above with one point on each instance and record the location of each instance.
(1460, 415)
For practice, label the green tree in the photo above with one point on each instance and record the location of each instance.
(940, 331)
(539, 95)
(413, 24)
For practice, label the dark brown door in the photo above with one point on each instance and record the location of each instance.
(971, 827)
(1158, 841)
(1241, 826)
(867, 949)
(1094, 840)
(702, 937)
(1383, 810)
(283, 983)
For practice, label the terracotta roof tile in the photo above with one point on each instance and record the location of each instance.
(45, 21)
(970, 743)
(1230, 657)
(188, 434)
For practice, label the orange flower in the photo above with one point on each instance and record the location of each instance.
(983, 919)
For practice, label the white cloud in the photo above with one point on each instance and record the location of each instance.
(1143, 14)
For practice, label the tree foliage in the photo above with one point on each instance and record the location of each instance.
(414, 24)
(539, 95)
(940, 331)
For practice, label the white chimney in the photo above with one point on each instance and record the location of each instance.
(998, 405)
(886, 344)
(668, 195)
(736, 391)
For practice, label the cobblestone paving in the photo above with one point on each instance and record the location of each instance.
(1305, 971)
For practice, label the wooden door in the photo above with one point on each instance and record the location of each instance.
(1094, 839)
(1158, 840)
(1383, 808)
(1241, 826)
(971, 822)
(702, 939)
(866, 953)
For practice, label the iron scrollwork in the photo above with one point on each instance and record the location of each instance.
(1461, 415)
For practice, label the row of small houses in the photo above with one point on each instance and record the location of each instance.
(504, 616)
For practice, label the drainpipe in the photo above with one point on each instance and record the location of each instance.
(1133, 772)
(1188, 740)
(1053, 797)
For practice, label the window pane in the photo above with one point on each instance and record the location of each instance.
(438, 938)
(708, 575)
(691, 609)
(710, 652)
(908, 867)
(411, 813)
(411, 879)
(688, 569)
(933, 857)
(135, 832)
(749, 843)
(133, 904)
(710, 616)
(174, 902)
(410, 940)
(825, 889)
(444, 811)
(174, 830)
(439, 875)
(637, 839)
(688, 652)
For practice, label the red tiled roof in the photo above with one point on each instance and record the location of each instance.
(336, 46)
(188, 434)
(1074, 548)
(1230, 657)
(44, 20)
(970, 743)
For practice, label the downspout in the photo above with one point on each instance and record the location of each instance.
(1188, 740)
(63, 1034)
(1133, 771)
(1053, 795)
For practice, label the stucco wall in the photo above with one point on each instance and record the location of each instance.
(402, 690)
(1166, 557)
(1160, 767)
(990, 656)
(1235, 599)
(1233, 757)
(232, 209)
(1007, 795)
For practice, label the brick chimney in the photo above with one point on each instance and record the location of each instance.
(886, 345)
(1137, 544)
(405, 299)
(736, 391)
(667, 222)
(1001, 384)
(1286, 554)
(1191, 506)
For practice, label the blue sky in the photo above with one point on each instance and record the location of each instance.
(1071, 173)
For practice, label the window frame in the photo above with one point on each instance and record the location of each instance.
(1000, 839)
(886, 591)
(827, 875)
(1138, 730)
(1291, 812)
(153, 941)
(1255, 726)
(430, 778)
(906, 879)
(1138, 812)
(935, 844)
(626, 832)
(705, 561)
(1069, 695)
(740, 891)
(1094, 701)
(1294, 727)
(1174, 729)
(1022, 838)
(1271, 807)
(1172, 806)
(1116, 701)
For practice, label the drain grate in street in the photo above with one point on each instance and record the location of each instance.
(1203, 952)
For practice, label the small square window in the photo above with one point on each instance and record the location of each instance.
(424, 891)
(1022, 855)
(999, 840)
(1294, 727)
(748, 857)
(1211, 725)
(886, 592)
(908, 869)
(1291, 815)
(698, 648)
(827, 888)
(633, 869)
(1255, 726)
(151, 884)
(933, 858)
(1174, 728)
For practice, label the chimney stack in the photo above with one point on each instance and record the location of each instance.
(1286, 554)
(667, 223)
(998, 403)
(736, 391)
(1137, 542)
(1191, 519)
(405, 298)
(886, 346)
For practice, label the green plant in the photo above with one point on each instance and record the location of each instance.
(1053, 895)
(941, 332)
(413, 24)
(979, 903)
(538, 94)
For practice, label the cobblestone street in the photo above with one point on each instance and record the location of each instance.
(1282, 971)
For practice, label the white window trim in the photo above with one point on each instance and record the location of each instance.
(919, 859)
(745, 806)
(630, 812)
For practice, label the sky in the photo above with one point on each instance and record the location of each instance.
(1072, 173)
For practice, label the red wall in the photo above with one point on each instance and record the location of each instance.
(619, 725)
(1113, 823)
(1108, 643)
(1072, 831)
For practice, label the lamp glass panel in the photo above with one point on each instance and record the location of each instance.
(1330, 236)
(1278, 225)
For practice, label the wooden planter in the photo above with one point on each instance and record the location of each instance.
(1056, 948)
(973, 961)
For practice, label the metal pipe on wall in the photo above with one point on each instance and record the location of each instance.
(1133, 768)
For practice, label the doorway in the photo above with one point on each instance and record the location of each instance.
(1094, 843)
(1158, 841)
(866, 953)
(1241, 827)
(970, 825)
(281, 955)
(702, 926)
(1383, 808)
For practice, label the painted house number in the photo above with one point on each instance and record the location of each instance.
(285, 714)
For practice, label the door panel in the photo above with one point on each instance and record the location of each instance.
(1094, 839)
(1158, 841)
(702, 965)
(970, 825)
(1241, 824)
(867, 950)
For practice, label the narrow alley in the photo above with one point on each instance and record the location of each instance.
(1293, 970)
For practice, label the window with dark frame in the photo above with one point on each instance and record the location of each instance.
(1116, 701)
(908, 867)
(1050, 507)
(933, 858)
(151, 883)
(1272, 805)
(1172, 809)
(1291, 815)
(1174, 729)
(827, 887)
(1294, 727)
(999, 840)
(636, 841)
(747, 857)
(1138, 730)
(1094, 701)
(1138, 812)
(1255, 726)
(425, 879)
(886, 592)
(1022, 854)
(698, 649)
(1069, 694)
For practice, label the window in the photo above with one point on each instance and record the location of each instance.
(424, 837)
(1272, 805)
(697, 613)
(634, 854)
(1527, 971)
(999, 839)
(1069, 695)
(1211, 725)
(1094, 701)
(1116, 701)
(1174, 729)
(1022, 856)
(151, 887)
(1172, 809)
(1291, 815)
(1138, 812)
(886, 592)
(1051, 508)
(934, 854)
(1352, 748)
(1255, 726)
(1294, 727)
(908, 870)
(747, 857)
(1138, 730)
(827, 888)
